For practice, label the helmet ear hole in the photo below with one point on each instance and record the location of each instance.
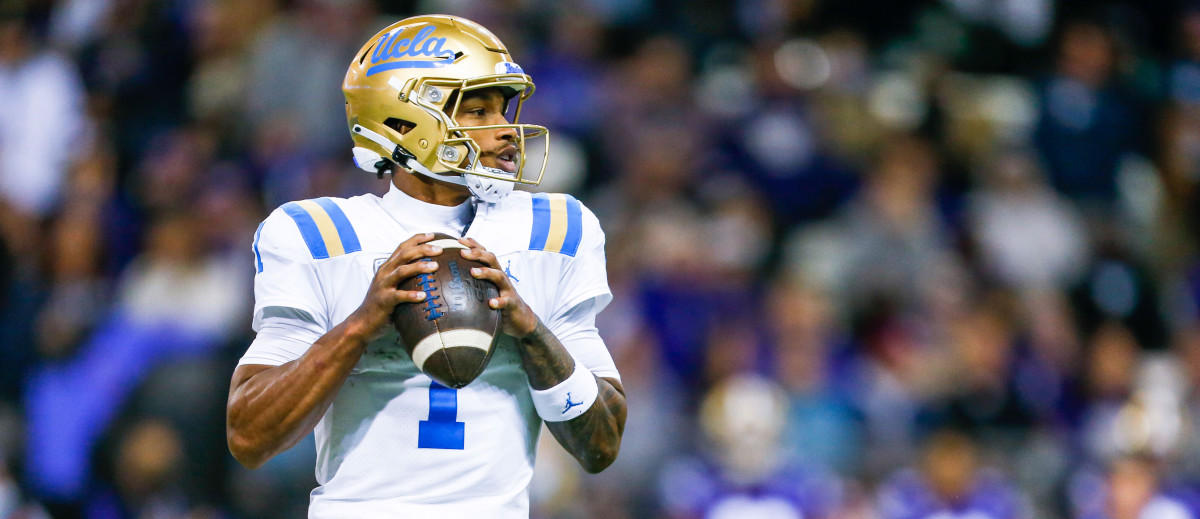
(399, 125)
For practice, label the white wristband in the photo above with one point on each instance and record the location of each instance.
(569, 399)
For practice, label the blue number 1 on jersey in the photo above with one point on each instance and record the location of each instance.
(441, 430)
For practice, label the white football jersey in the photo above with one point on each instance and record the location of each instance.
(394, 443)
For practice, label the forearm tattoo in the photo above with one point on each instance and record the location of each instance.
(594, 437)
(546, 361)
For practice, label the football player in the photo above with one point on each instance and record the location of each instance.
(433, 102)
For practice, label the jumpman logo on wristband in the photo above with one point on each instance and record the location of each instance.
(570, 404)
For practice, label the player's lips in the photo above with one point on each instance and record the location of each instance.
(506, 158)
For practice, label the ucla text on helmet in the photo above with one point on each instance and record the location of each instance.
(395, 52)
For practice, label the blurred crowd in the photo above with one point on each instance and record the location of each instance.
(879, 259)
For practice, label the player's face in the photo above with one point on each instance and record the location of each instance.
(498, 147)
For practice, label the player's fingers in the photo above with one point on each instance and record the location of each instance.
(403, 250)
(472, 243)
(503, 303)
(481, 255)
(406, 296)
(416, 239)
(491, 259)
(408, 270)
(496, 276)
(419, 251)
(413, 241)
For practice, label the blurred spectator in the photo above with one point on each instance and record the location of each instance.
(1184, 463)
(75, 24)
(894, 216)
(224, 30)
(14, 504)
(898, 303)
(1088, 122)
(694, 244)
(979, 391)
(1054, 353)
(148, 469)
(569, 72)
(812, 363)
(278, 489)
(1184, 78)
(79, 294)
(1179, 149)
(894, 368)
(176, 301)
(317, 37)
(135, 69)
(42, 125)
(1132, 490)
(951, 482)
(743, 470)
(772, 138)
(1024, 22)
(45, 100)
(1118, 287)
(1029, 237)
(1111, 377)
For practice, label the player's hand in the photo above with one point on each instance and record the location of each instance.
(517, 319)
(375, 312)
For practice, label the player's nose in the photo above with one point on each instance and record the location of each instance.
(508, 134)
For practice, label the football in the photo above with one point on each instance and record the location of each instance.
(451, 334)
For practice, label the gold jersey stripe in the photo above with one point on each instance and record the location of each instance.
(329, 232)
(558, 223)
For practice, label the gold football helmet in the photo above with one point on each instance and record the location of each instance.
(399, 91)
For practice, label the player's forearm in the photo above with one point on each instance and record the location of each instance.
(593, 438)
(270, 410)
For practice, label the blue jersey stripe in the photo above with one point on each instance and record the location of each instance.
(308, 229)
(258, 267)
(345, 230)
(574, 227)
(541, 222)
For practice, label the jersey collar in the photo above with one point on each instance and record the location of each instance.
(424, 216)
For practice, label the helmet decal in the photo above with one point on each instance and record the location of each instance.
(394, 52)
(508, 67)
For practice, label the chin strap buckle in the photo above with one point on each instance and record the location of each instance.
(488, 189)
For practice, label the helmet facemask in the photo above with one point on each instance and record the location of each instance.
(459, 145)
(458, 152)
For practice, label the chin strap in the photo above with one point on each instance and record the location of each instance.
(489, 190)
